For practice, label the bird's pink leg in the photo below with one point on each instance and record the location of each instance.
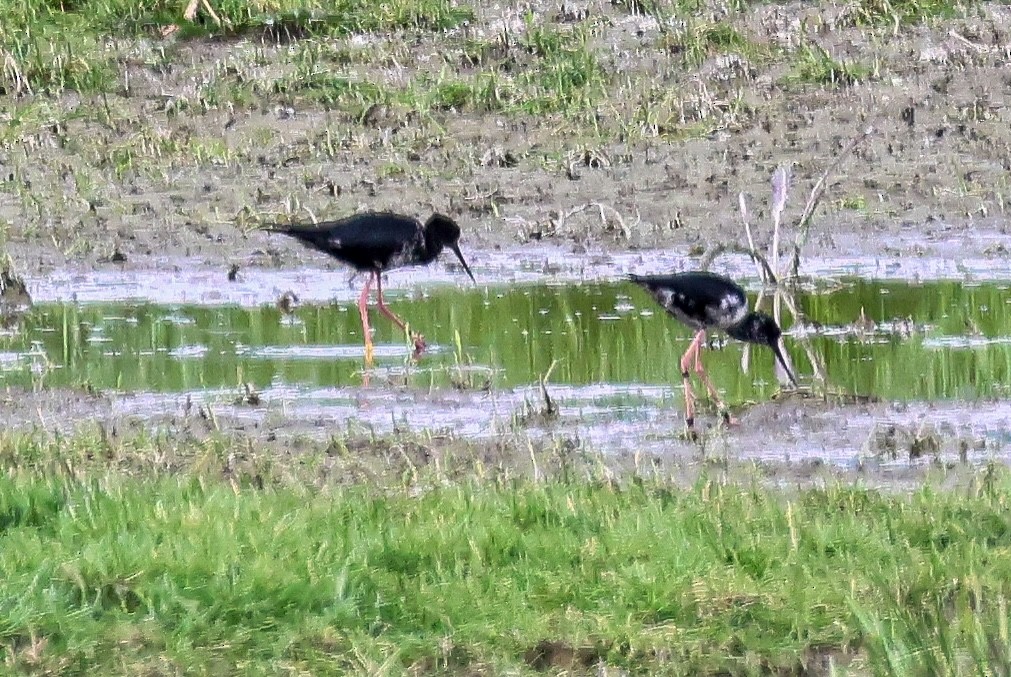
(363, 310)
(419, 340)
(713, 394)
(686, 361)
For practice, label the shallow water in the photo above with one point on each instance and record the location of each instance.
(928, 341)
(191, 281)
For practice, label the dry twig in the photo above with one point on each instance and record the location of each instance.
(772, 274)
(600, 206)
(12, 72)
(804, 224)
(764, 269)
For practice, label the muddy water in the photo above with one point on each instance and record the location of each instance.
(894, 340)
(164, 344)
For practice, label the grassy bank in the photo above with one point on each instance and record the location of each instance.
(144, 559)
(546, 64)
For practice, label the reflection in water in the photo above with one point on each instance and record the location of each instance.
(926, 341)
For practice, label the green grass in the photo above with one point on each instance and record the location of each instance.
(547, 70)
(56, 46)
(50, 47)
(814, 65)
(698, 41)
(893, 13)
(121, 18)
(125, 557)
(563, 72)
(859, 12)
(889, 13)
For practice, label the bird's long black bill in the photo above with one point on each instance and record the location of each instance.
(782, 361)
(459, 255)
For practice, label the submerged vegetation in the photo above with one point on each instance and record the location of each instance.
(894, 340)
(127, 556)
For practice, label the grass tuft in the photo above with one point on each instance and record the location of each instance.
(814, 65)
(114, 562)
(894, 13)
(51, 47)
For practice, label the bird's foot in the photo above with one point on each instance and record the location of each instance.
(727, 419)
(370, 354)
(691, 433)
(419, 344)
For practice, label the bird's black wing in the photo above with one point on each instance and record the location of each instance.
(367, 241)
(699, 297)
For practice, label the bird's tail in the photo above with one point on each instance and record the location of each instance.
(281, 227)
(310, 235)
(643, 280)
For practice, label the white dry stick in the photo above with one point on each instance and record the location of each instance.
(819, 369)
(13, 72)
(966, 41)
(602, 209)
(214, 15)
(713, 253)
(745, 217)
(190, 13)
(780, 185)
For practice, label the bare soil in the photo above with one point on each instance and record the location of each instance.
(126, 181)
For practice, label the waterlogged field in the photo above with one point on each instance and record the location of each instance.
(191, 486)
(139, 549)
(892, 340)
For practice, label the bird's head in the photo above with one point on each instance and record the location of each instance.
(762, 329)
(758, 328)
(442, 231)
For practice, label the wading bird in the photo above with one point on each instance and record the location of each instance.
(704, 300)
(377, 242)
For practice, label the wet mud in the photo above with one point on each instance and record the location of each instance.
(924, 197)
(793, 436)
(931, 179)
(792, 440)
